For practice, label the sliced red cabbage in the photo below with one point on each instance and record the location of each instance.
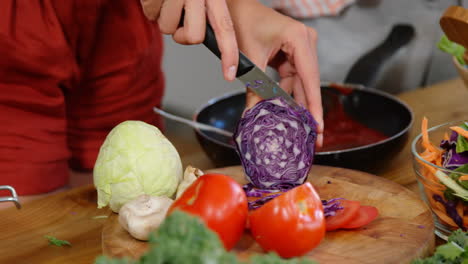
(261, 201)
(451, 159)
(251, 191)
(331, 206)
(276, 144)
(451, 210)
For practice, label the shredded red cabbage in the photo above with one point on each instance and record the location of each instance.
(451, 210)
(261, 201)
(266, 195)
(451, 159)
(276, 144)
(331, 206)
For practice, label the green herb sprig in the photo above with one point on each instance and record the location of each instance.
(57, 242)
(455, 251)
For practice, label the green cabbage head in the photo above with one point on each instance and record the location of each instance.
(135, 159)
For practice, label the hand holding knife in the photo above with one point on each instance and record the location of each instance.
(249, 74)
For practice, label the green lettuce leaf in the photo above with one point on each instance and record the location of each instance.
(452, 48)
(455, 176)
(462, 142)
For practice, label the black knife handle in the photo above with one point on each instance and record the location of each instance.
(245, 65)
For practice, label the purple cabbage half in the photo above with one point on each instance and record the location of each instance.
(452, 159)
(276, 144)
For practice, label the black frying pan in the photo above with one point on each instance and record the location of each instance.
(372, 108)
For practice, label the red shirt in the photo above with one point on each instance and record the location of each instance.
(71, 70)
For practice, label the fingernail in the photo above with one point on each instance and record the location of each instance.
(231, 73)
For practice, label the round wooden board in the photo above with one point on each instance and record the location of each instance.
(403, 231)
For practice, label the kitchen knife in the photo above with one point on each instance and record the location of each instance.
(249, 74)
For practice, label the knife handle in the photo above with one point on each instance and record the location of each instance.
(245, 65)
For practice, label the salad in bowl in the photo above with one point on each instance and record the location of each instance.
(441, 165)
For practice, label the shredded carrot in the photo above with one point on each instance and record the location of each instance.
(460, 131)
(465, 220)
(434, 190)
(427, 166)
(459, 209)
(425, 136)
(445, 218)
(436, 205)
(463, 178)
(433, 154)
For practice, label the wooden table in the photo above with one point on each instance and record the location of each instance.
(71, 216)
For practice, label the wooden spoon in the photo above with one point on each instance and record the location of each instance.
(454, 23)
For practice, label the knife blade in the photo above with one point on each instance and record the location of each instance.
(249, 74)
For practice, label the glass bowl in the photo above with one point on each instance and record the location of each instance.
(449, 211)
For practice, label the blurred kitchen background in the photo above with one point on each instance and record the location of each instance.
(193, 74)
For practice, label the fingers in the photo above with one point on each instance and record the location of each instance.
(151, 8)
(305, 60)
(298, 91)
(220, 20)
(251, 99)
(287, 84)
(169, 17)
(193, 31)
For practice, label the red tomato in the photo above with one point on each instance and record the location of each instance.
(291, 224)
(342, 217)
(365, 215)
(220, 201)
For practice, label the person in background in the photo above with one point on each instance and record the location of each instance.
(72, 70)
(350, 30)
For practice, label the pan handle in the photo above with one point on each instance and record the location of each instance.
(366, 69)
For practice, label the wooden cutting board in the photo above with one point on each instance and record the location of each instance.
(403, 231)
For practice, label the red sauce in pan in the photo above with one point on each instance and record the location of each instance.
(343, 132)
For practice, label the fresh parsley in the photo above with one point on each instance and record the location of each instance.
(57, 242)
(183, 238)
(455, 251)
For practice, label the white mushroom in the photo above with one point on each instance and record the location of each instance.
(143, 215)
(190, 175)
